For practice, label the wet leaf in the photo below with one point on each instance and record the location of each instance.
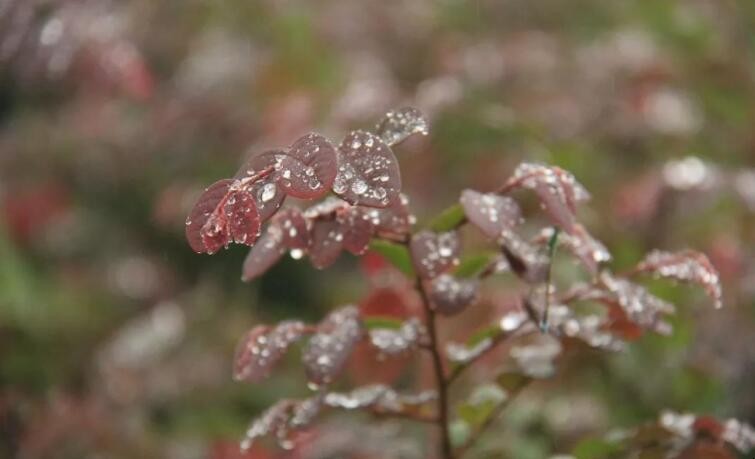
(223, 214)
(639, 305)
(686, 266)
(308, 168)
(491, 213)
(264, 254)
(327, 243)
(434, 253)
(357, 229)
(398, 125)
(450, 295)
(383, 398)
(257, 176)
(294, 229)
(399, 340)
(282, 420)
(263, 347)
(591, 252)
(209, 203)
(329, 349)
(525, 259)
(395, 220)
(558, 190)
(368, 172)
(535, 357)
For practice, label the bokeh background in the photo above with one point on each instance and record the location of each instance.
(116, 340)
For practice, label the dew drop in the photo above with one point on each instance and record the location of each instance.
(359, 186)
(268, 192)
(296, 254)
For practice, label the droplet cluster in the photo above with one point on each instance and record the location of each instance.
(450, 295)
(398, 125)
(685, 266)
(536, 358)
(334, 341)
(368, 172)
(378, 396)
(640, 306)
(491, 213)
(263, 347)
(392, 342)
(434, 253)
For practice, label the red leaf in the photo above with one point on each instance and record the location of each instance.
(242, 217)
(329, 349)
(433, 253)
(357, 229)
(450, 295)
(368, 172)
(686, 266)
(257, 175)
(265, 253)
(295, 231)
(308, 168)
(209, 207)
(491, 213)
(327, 242)
(262, 348)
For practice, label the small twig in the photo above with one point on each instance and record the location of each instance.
(440, 379)
(406, 415)
(552, 244)
(486, 424)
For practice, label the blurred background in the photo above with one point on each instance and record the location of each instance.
(116, 340)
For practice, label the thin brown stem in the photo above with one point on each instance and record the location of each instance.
(440, 379)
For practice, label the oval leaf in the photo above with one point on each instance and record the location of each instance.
(327, 243)
(368, 172)
(489, 212)
(328, 350)
(308, 168)
(398, 125)
(262, 348)
(450, 295)
(208, 207)
(265, 253)
(434, 253)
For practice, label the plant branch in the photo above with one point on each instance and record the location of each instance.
(486, 424)
(440, 379)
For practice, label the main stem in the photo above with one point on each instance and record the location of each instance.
(440, 379)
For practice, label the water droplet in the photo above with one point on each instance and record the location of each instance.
(296, 254)
(359, 186)
(268, 192)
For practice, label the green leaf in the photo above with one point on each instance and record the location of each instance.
(512, 381)
(596, 448)
(378, 322)
(396, 254)
(473, 265)
(449, 219)
(481, 404)
(491, 331)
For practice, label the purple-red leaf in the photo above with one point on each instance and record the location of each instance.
(264, 254)
(357, 229)
(223, 214)
(368, 172)
(491, 213)
(557, 189)
(329, 349)
(327, 243)
(295, 231)
(685, 266)
(399, 124)
(263, 347)
(204, 210)
(450, 295)
(394, 220)
(434, 253)
(524, 259)
(307, 169)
